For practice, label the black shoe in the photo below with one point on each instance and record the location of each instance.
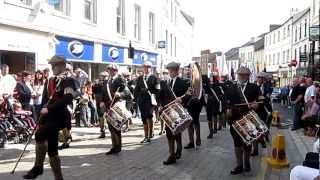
(219, 128)
(210, 136)
(256, 153)
(33, 173)
(148, 140)
(247, 168)
(102, 135)
(178, 155)
(64, 146)
(189, 146)
(263, 144)
(198, 143)
(144, 140)
(237, 170)
(215, 131)
(111, 151)
(170, 160)
(160, 133)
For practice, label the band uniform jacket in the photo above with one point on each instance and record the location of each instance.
(235, 96)
(213, 100)
(265, 108)
(141, 94)
(114, 84)
(169, 91)
(62, 90)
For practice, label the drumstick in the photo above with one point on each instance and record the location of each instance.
(246, 104)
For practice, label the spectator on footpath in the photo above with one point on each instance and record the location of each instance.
(297, 95)
(38, 86)
(81, 76)
(310, 94)
(7, 81)
(284, 95)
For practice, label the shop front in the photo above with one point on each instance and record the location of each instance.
(23, 49)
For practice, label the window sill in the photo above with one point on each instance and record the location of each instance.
(90, 23)
(60, 15)
(18, 4)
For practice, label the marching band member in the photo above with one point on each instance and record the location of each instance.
(241, 92)
(62, 90)
(111, 90)
(264, 111)
(98, 91)
(214, 104)
(172, 89)
(194, 108)
(146, 93)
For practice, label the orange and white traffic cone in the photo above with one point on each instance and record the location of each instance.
(278, 158)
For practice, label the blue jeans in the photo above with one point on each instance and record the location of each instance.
(297, 113)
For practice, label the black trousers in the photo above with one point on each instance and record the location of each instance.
(49, 135)
(116, 138)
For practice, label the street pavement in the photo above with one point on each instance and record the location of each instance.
(213, 160)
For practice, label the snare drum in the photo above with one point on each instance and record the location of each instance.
(250, 127)
(176, 118)
(118, 115)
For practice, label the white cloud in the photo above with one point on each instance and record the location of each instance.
(223, 24)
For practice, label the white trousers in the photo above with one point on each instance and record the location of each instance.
(303, 173)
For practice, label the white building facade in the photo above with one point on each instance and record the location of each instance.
(277, 51)
(300, 41)
(92, 33)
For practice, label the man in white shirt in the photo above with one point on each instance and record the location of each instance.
(7, 81)
(309, 96)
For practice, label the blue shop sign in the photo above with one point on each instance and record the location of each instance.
(75, 49)
(112, 54)
(141, 56)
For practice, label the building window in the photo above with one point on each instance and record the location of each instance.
(151, 28)
(171, 43)
(274, 59)
(270, 60)
(171, 11)
(296, 35)
(295, 54)
(137, 22)
(300, 31)
(61, 5)
(270, 39)
(284, 33)
(266, 41)
(305, 28)
(278, 59)
(90, 10)
(175, 46)
(305, 48)
(288, 31)
(279, 34)
(274, 38)
(167, 38)
(283, 57)
(121, 25)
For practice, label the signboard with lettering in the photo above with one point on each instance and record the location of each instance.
(315, 33)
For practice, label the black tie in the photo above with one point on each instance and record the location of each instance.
(171, 83)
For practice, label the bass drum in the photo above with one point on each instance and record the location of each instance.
(176, 118)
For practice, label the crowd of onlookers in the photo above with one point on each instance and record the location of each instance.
(27, 89)
(304, 97)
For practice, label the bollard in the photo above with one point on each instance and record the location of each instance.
(276, 119)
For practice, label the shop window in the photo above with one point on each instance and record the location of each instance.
(137, 22)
